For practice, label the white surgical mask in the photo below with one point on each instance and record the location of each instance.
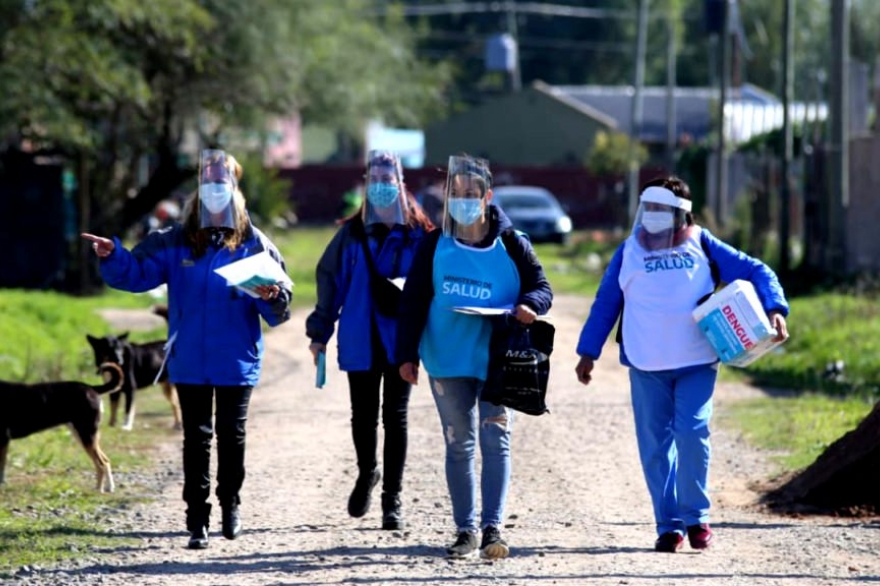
(215, 196)
(656, 222)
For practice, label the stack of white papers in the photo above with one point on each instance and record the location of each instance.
(252, 271)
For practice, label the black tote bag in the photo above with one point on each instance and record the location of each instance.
(519, 365)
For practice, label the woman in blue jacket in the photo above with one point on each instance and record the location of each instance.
(376, 244)
(215, 340)
(477, 260)
(662, 272)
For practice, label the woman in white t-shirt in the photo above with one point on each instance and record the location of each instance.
(655, 280)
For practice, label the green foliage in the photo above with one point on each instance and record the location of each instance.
(267, 194)
(611, 154)
(798, 429)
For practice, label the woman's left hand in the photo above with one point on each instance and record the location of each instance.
(524, 314)
(267, 292)
(777, 320)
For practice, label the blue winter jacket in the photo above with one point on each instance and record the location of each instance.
(415, 303)
(343, 282)
(732, 265)
(216, 328)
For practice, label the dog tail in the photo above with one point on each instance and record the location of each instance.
(112, 373)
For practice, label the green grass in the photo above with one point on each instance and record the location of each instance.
(824, 328)
(51, 510)
(43, 334)
(796, 429)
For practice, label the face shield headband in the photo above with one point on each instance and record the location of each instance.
(660, 215)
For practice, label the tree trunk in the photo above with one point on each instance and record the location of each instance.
(163, 181)
(844, 479)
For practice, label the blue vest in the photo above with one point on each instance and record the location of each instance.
(455, 344)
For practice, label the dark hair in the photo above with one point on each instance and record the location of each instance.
(680, 189)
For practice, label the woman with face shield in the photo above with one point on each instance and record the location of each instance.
(477, 260)
(215, 346)
(655, 280)
(371, 247)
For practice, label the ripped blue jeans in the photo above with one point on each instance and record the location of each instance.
(458, 405)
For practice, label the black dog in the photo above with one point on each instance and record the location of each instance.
(140, 364)
(28, 409)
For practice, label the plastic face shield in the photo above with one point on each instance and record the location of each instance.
(384, 203)
(660, 216)
(217, 185)
(464, 208)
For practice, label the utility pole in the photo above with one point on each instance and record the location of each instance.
(787, 85)
(838, 196)
(515, 75)
(671, 126)
(636, 110)
(724, 75)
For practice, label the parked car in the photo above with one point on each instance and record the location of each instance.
(535, 211)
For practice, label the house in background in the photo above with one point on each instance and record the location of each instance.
(535, 127)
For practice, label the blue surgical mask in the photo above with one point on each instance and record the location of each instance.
(465, 210)
(215, 196)
(382, 195)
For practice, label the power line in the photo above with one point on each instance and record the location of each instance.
(534, 8)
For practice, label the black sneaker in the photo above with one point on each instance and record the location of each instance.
(465, 544)
(493, 547)
(359, 501)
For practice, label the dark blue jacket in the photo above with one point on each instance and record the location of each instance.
(732, 265)
(419, 290)
(343, 282)
(218, 338)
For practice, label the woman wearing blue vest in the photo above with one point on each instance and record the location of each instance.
(215, 338)
(376, 244)
(476, 261)
(661, 272)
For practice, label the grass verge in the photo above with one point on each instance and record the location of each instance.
(51, 510)
(796, 429)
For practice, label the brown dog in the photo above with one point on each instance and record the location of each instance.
(28, 409)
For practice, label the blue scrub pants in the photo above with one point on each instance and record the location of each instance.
(672, 409)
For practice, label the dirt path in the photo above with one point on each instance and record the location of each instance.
(578, 510)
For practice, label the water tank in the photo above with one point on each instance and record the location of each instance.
(501, 53)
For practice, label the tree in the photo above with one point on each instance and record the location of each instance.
(109, 82)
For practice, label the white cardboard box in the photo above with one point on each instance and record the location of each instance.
(736, 325)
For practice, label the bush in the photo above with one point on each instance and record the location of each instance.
(268, 195)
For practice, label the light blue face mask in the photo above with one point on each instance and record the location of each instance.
(465, 210)
(215, 196)
(382, 195)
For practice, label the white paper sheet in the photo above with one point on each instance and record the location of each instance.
(251, 271)
(482, 310)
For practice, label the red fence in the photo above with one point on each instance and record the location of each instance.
(592, 202)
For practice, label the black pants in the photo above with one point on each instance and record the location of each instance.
(197, 411)
(365, 392)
